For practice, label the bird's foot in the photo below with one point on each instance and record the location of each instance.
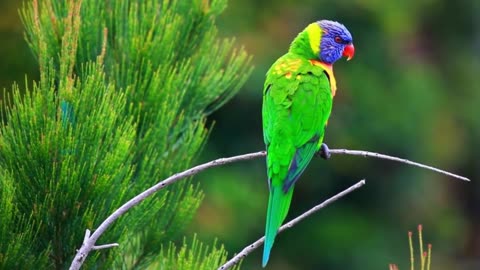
(324, 151)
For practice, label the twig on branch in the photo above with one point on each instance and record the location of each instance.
(87, 236)
(89, 241)
(105, 246)
(247, 250)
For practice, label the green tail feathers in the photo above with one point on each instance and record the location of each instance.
(278, 205)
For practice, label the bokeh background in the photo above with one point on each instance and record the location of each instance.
(412, 90)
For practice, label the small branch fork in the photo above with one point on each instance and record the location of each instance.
(90, 240)
(87, 236)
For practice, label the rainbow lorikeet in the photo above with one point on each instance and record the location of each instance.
(297, 101)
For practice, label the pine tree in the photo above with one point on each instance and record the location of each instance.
(124, 90)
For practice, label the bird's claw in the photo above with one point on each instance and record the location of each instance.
(324, 151)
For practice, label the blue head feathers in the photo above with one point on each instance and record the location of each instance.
(336, 42)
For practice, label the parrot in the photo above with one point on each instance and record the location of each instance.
(297, 101)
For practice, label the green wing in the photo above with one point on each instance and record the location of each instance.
(296, 105)
(295, 111)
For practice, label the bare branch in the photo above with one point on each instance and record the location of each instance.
(401, 160)
(105, 246)
(87, 235)
(247, 250)
(89, 242)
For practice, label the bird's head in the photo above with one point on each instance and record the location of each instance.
(330, 41)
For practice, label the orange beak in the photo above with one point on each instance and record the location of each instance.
(349, 51)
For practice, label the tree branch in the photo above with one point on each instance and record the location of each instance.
(401, 160)
(247, 250)
(89, 242)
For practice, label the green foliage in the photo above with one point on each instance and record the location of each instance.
(15, 231)
(192, 255)
(141, 76)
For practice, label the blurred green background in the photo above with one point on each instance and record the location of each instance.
(412, 91)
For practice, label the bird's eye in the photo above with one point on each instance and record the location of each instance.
(338, 39)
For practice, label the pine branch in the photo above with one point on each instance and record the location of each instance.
(89, 242)
(247, 250)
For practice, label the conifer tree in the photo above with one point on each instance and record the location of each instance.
(124, 90)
